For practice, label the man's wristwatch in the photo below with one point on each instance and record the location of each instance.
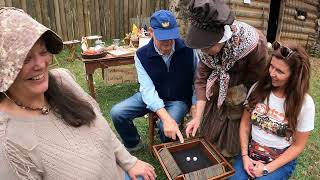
(265, 171)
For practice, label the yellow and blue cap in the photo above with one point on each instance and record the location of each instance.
(164, 25)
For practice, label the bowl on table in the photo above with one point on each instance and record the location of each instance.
(91, 54)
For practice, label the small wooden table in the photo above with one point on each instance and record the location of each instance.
(71, 46)
(92, 64)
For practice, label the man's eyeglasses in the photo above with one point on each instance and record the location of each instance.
(284, 51)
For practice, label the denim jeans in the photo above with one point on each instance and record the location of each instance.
(127, 177)
(282, 173)
(123, 114)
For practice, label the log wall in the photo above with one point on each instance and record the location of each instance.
(72, 19)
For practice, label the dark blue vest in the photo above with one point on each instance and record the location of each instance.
(175, 83)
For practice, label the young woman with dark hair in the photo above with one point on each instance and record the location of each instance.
(278, 118)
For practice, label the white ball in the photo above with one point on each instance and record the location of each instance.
(195, 158)
(188, 158)
(269, 45)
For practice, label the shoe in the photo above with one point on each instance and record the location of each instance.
(157, 125)
(135, 148)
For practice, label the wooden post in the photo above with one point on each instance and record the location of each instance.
(63, 26)
(108, 19)
(126, 16)
(80, 14)
(16, 3)
(8, 2)
(2, 3)
(97, 17)
(102, 15)
(121, 20)
(24, 5)
(44, 11)
(52, 19)
(38, 11)
(86, 16)
(75, 19)
(157, 6)
(58, 16)
(69, 21)
(117, 19)
(112, 19)
(139, 8)
(30, 8)
(144, 8)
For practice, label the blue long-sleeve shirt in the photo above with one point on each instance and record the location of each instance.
(147, 89)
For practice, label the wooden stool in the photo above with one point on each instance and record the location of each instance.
(152, 118)
(71, 46)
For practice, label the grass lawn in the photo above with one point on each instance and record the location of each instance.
(308, 163)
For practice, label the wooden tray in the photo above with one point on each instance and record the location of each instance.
(208, 155)
(122, 52)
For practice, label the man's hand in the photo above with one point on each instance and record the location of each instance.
(170, 126)
(142, 169)
(171, 129)
(192, 127)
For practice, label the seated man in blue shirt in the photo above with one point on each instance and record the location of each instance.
(165, 68)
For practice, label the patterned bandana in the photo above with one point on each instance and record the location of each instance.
(243, 41)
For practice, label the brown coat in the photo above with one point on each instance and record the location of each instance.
(221, 126)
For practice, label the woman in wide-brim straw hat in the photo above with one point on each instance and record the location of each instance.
(49, 127)
(232, 56)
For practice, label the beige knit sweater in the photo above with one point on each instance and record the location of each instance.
(44, 147)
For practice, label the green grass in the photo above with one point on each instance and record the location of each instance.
(308, 163)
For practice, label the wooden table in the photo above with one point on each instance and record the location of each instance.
(92, 64)
(71, 46)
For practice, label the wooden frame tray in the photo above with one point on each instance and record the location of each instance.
(211, 165)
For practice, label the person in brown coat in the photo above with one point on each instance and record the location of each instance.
(232, 56)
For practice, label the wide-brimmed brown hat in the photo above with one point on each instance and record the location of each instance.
(207, 21)
(18, 33)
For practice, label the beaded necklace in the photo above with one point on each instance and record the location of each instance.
(44, 109)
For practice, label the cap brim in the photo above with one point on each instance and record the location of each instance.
(53, 42)
(198, 38)
(166, 34)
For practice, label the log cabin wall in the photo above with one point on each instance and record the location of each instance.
(256, 13)
(289, 27)
(300, 29)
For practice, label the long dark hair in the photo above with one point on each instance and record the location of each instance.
(296, 87)
(74, 110)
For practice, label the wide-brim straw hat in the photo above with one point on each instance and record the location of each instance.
(18, 34)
